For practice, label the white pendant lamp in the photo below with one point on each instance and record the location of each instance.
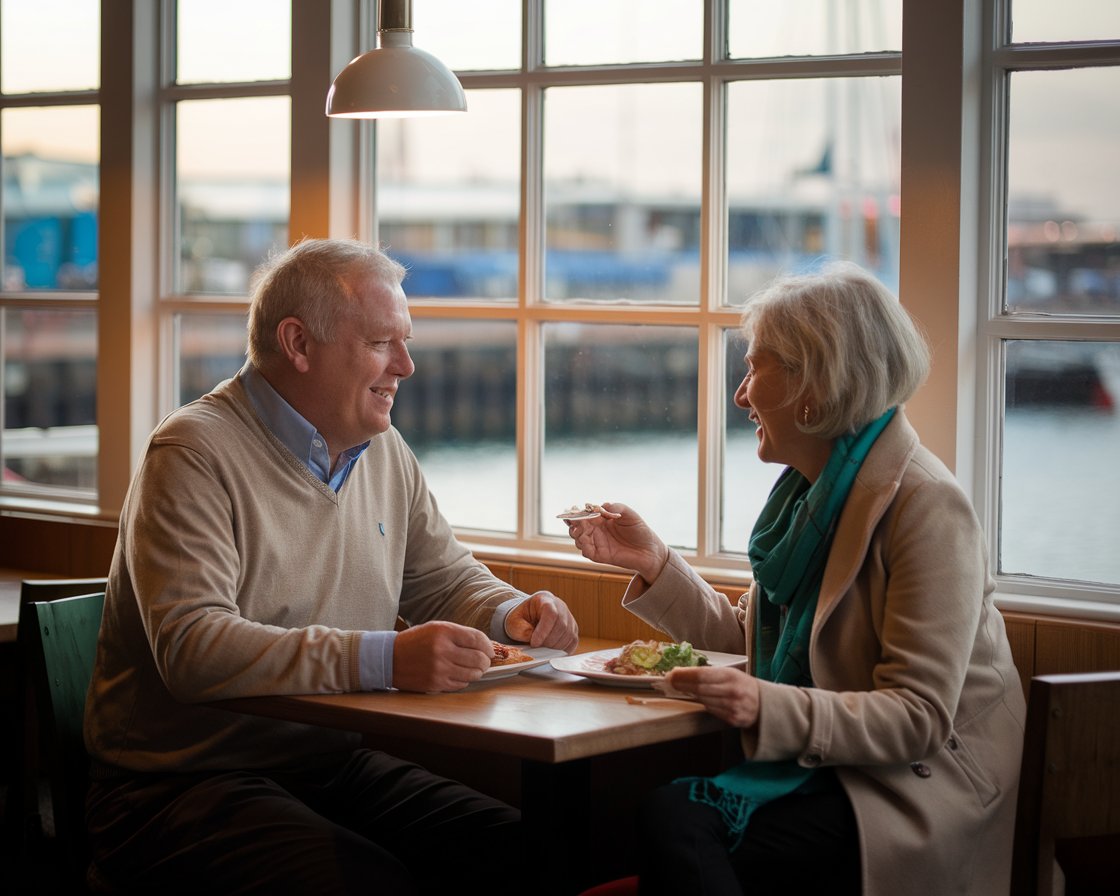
(395, 80)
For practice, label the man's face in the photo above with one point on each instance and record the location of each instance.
(355, 375)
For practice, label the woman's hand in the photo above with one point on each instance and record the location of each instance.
(620, 537)
(730, 694)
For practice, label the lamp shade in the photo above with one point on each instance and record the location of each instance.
(395, 80)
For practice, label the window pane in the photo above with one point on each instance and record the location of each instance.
(1061, 483)
(1063, 184)
(50, 45)
(603, 32)
(747, 481)
(458, 413)
(821, 183)
(50, 396)
(209, 348)
(50, 197)
(452, 217)
(1043, 20)
(620, 423)
(762, 28)
(482, 34)
(232, 190)
(219, 41)
(623, 209)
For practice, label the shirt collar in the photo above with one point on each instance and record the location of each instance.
(292, 429)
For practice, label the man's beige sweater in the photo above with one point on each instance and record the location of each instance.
(237, 573)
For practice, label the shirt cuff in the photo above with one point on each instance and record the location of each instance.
(498, 620)
(375, 660)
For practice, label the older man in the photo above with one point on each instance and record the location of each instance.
(273, 532)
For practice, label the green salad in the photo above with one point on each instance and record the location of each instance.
(654, 658)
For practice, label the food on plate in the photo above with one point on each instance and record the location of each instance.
(575, 512)
(507, 655)
(654, 658)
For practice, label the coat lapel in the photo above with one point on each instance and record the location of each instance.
(875, 487)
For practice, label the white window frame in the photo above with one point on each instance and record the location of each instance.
(998, 57)
(711, 317)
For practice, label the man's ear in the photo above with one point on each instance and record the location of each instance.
(294, 340)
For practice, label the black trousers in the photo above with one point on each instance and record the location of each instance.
(365, 822)
(802, 843)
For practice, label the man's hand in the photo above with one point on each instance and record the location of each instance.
(543, 621)
(730, 694)
(439, 656)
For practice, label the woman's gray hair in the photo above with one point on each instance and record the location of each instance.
(852, 350)
(314, 281)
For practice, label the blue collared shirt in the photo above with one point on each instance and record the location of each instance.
(297, 434)
(375, 653)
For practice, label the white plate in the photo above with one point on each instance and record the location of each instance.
(540, 656)
(590, 665)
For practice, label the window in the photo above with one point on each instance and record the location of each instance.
(227, 124)
(1050, 339)
(49, 124)
(579, 242)
(614, 193)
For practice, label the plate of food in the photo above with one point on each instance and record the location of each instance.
(512, 659)
(640, 664)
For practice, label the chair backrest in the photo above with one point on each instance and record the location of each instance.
(1069, 785)
(28, 761)
(31, 590)
(59, 640)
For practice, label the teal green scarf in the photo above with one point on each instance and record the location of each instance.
(788, 550)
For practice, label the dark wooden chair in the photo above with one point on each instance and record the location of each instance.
(1069, 787)
(23, 820)
(58, 641)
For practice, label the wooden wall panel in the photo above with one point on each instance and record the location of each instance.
(614, 620)
(92, 554)
(1070, 646)
(57, 547)
(578, 590)
(1021, 634)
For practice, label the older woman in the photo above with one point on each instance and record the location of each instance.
(882, 715)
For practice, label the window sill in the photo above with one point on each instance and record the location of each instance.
(54, 509)
(569, 560)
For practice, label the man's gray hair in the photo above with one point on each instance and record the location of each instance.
(314, 281)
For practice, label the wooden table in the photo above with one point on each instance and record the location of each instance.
(584, 753)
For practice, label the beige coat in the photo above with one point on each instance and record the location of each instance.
(917, 700)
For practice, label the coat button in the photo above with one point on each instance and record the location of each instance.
(952, 743)
(812, 759)
(920, 769)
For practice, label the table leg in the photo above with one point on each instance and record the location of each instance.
(556, 811)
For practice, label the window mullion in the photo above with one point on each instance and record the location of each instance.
(530, 363)
(128, 252)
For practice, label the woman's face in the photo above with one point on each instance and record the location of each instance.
(766, 394)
